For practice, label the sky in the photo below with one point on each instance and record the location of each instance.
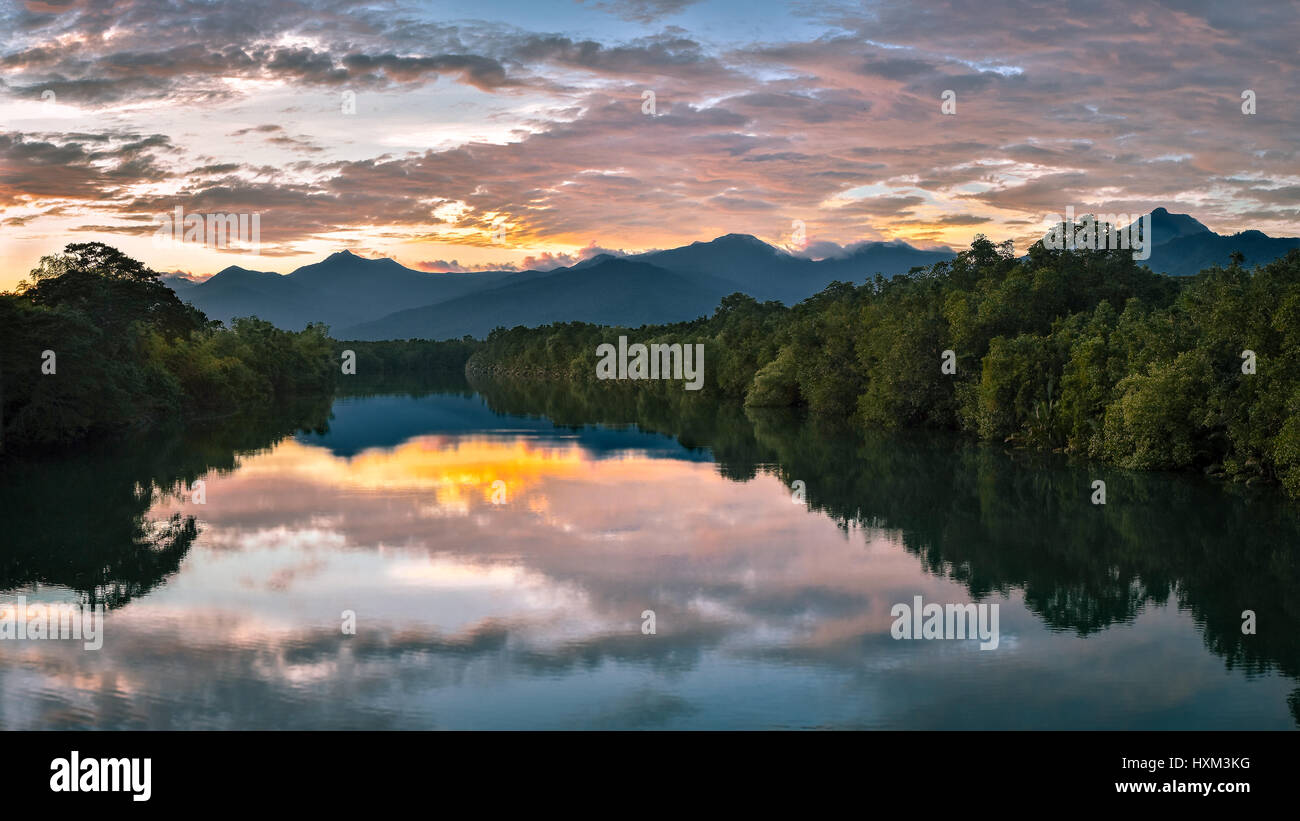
(497, 134)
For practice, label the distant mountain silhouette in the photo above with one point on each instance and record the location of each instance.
(654, 287)
(1183, 246)
(381, 299)
(870, 258)
(177, 283)
(343, 289)
(740, 262)
(613, 291)
(1166, 227)
(736, 262)
(237, 291)
(1189, 252)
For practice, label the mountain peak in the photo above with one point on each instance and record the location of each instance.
(234, 273)
(594, 260)
(1166, 225)
(737, 239)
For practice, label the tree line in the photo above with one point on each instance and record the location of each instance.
(93, 343)
(1084, 352)
(993, 519)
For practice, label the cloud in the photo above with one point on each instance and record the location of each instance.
(549, 261)
(835, 121)
(444, 266)
(99, 169)
(826, 249)
(280, 138)
(641, 11)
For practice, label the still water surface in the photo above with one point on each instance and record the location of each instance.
(526, 611)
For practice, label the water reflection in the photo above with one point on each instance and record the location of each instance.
(527, 613)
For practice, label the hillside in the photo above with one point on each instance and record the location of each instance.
(343, 289)
(615, 291)
(381, 299)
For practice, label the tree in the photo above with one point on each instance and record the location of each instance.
(100, 281)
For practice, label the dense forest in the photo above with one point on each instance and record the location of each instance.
(1084, 352)
(412, 366)
(93, 343)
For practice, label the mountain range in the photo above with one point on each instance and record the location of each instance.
(380, 299)
(372, 299)
(1183, 246)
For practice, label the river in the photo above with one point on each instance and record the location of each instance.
(531, 557)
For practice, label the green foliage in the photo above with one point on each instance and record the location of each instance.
(776, 384)
(129, 353)
(900, 339)
(1016, 387)
(1082, 351)
(101, 282)
(412, 365)
(1157, 418)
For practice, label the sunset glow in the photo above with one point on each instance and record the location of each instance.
(828, 114)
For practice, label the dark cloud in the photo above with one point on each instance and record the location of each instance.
(36, 169)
